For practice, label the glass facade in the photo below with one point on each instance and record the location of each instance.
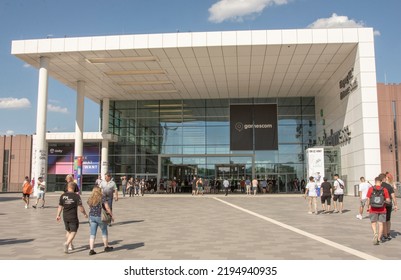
(181, 138)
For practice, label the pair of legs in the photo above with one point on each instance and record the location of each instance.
(226, 190)
(326, 199)
(255, 190)
(41, 196)
(124, 188)
(71, 231)
(361, 207)
(94, 223)
(248, 189)
(25, 198)
(340, 198)
(387, 224)
(377, 220)
(312, 200)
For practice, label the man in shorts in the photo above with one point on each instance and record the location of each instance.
(41, 193)
(338, 194)
(377, 215)
(363, 191)
(26, 191)
(68, 204)
(325, 197)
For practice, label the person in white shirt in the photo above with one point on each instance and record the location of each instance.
(226, 185)
(339, 186)
(363, 190)
(311, 192)
(255, 184)
(41, 193)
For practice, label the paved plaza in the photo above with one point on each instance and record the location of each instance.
(211, 227)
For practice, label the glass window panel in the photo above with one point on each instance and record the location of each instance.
(290, 149)
(197, 103)
(289, 111)
(217, 112)
(266, 157)
(194, 149)
(172, 135)
(308, 110)
(194, 135)
(218, 135)
(221, 121)
(148, 104)
(172, 150)
(222, 149)
(290, 101)
(148, 113)
(123, 105)
(241, 101)
(194, 160)
(308, 101)
(290, 134)
(289, 120)
(224, 103)
(265, 100)
(218, 160)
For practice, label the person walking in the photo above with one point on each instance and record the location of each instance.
(70, 178)
(263, 184)
(130, 187)
(96, 202)
(199, 186)
(41, 193)
(142, 186)
(26, 191)
(363, 191)
(69, 203)
(338, 194)
(255, 184)
(311, 192)
(124, 185)
(226, 185)
(326, 192)
(248, 186)
(377, 209)
(389, 206)
(109, 190)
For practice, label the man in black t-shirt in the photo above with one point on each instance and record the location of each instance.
(68, 204)
(389, 207)
(326, 191)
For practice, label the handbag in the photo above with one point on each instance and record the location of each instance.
(106, 217)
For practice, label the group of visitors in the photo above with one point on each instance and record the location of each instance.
(379, 198)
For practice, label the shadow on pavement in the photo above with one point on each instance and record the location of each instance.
(127, 222)
(129, 247)
(11, 241)
(4, 199)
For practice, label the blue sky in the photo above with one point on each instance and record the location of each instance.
(35, 19)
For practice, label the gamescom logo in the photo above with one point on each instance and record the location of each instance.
(239, 126)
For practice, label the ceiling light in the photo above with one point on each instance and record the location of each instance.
(121, 59)
(144, 83)
(135, 72)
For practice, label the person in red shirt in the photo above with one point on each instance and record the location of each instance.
(377, 215)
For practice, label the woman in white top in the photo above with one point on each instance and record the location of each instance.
(311, 192)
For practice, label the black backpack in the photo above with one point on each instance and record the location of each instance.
(377, 198)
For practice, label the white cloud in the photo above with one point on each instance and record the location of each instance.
(336, 21)
(13, 103)
(56, 109)
(238, 9)
(26, 65)
(10, 132)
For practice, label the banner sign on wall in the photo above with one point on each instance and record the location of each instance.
(315, 164)
(253, 127)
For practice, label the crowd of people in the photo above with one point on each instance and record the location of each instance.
(379, 198)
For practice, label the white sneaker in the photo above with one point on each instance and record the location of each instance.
(359, 217)
(26, 206)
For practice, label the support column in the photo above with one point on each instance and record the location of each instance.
(105, 142)
(41, 115)
(79, 133)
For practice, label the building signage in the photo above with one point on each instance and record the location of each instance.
(342, 136)
(253, 127)
(348, 84)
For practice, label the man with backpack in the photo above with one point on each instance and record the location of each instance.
(338, 186)
(377, 197)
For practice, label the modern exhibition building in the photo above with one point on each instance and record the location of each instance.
(217, 105)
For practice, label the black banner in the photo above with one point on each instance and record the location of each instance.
(253, 127)
(265, 120)
(241, 138)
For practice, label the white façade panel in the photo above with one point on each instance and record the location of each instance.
(259, 37)
(113, 42)
(335, 35)
(274, 37)
(371, 140)
(57, 45)
(229, 38)
(367, 79)
(98, 43)
(85, 44)
(366, 49)
(319, 36)
(350, 35)
(289, 36)
(184, 39)
(127, 42)
(365, 35)
(213, 39)
(141, 41)
(71, 44)
(31, 46)
(44, 45)
(17, 47)
(155, 40)
(169, 40)
(372, 156)
(199, 39)
(370, 110)
(369, 94)
(304, 36)
(367, 64)
(244, 38)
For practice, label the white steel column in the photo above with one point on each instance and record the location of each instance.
(41, 145)
(105, 142)
(79, 130)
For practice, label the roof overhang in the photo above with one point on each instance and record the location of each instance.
(232, 64)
